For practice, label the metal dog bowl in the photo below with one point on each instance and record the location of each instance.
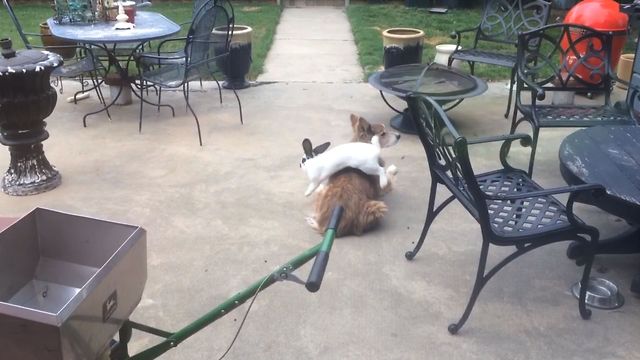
(601, 294)
(67, 284)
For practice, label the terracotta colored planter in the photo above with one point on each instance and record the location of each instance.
(402, 46)
(625, 68)
(51, 43)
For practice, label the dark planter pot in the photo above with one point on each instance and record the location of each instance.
(402, 46)
(237, 64)
(52, 43)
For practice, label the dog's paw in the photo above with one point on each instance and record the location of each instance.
(311, 221)
(392, 170)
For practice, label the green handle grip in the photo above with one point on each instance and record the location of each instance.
(322, 258)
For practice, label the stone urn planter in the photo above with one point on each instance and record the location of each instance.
(115, 83)
(443, 51)
(27, 98)
(236, 65)
(625, 68)
(402, 46)
(52, 43)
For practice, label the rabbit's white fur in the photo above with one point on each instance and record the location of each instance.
(357, 155)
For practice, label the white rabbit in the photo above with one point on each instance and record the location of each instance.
(320, 165)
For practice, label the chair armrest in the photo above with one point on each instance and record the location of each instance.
(507, 139)
(540, 93)
(161, 44)
(525, 139)
(457, 34)
(573, 190)
(140, 56)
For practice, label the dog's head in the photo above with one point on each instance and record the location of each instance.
(363, 131)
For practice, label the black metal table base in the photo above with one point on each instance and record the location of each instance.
(403, 123)
(627, 242)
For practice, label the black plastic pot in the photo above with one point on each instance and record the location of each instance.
(237, 64)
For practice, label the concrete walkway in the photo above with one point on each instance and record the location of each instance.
(313, 44)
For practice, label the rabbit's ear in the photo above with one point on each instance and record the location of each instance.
(321, 148)
(308, 148)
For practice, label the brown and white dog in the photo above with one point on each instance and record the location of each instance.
(356, 191)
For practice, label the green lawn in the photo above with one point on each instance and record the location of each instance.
(262, 17)
(368, 21)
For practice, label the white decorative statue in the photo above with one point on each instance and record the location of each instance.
(121, 19)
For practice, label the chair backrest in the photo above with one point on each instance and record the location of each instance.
(447, 155)
(633, 92)
(565, 57)
(502, 20)
(16, 23)
(199, 40)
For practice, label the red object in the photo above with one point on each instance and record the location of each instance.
(603, 15)
(130, 11)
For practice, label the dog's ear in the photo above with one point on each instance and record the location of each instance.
(377, 129)
(321, 148)
(354, 120)
(308, 148)
(363, 126)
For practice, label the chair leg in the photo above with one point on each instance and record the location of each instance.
(185, 90)
(239, 104)
(431, 215)
(159, 97)
(96, 84)
(477, 287)
(142, 104)
(186, 99)
(511, 81)
(534, 145)
(219, 88)
(582, 305)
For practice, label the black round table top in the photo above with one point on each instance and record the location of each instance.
(610, 156)
(439, 82)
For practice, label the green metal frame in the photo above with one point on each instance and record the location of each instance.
(172, 339)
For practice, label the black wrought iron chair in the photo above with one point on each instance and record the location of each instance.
(562, 59)
(199, 57)
(511, 209)
(83, 63)
(173, 56)
(501, 22)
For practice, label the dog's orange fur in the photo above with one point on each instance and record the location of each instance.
(354, 190)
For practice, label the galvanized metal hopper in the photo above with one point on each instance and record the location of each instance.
(67, 284)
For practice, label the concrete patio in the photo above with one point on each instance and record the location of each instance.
(221, 216)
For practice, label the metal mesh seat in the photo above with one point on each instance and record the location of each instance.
(488, 57)
(577, 116)
(511, 209)
(564, 59)
(501, 22)
(524, 216)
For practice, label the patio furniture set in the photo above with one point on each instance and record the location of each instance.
(511, 208)
(106, 51)
(601, 163)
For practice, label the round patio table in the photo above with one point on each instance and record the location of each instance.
(609, 156)
(443, 84)
(148, 26)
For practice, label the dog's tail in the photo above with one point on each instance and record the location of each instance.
(368, 218)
